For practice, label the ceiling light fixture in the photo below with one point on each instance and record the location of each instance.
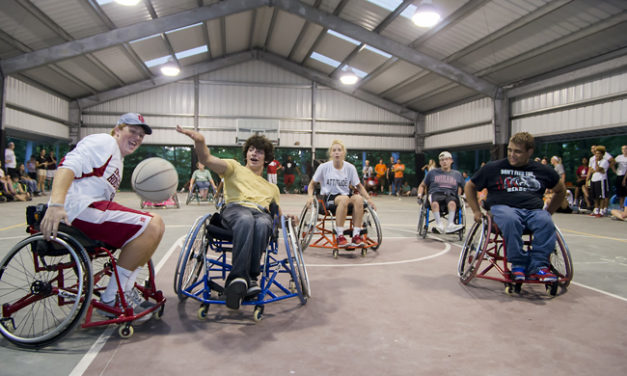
(426, 14)
(128, 3)
(348, 77)
(170, 68)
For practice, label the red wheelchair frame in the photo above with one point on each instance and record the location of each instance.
(485, 243)
(47, 286)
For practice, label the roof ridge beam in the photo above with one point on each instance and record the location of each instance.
(126, 34)
(388, 45)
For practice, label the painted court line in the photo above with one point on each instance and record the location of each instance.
(91, 354)
(446, 249)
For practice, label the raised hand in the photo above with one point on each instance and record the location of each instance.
(196, 136)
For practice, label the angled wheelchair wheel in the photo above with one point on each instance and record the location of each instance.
(422, 222)
(192, 257)
(307, 224)
(175, 198)
(190, 196)
(373, 228)
(295, 258)
(472, 252)
(45, 288)
(561, 262)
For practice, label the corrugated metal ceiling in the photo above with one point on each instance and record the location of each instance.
(479, 46)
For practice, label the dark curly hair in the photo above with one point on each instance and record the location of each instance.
(260, 142)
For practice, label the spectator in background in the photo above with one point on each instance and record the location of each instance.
(398, 169)
(19, 192)
(429, 166)
(580, 184)
(31, 168)
(9, 160)
(381, 170)
(608, 157)
(29, 182)
(367, 172)
(390, 176)
(544, 161)
(272, 170)
(620, 169)
(597, 175)
(559, 167)
(621, 215)
(465, 176)
(289, 176)
(42, 164)
(5, 186)
(51, 168)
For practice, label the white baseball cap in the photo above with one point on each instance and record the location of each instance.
(445, 154)
(135, 119)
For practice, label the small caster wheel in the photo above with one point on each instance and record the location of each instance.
(364, 252)
(258, 313)
(292, 286)
(335, 253)
(126, 331)
(551, 288)
(202, 312)
(158, 314)
(509, 289)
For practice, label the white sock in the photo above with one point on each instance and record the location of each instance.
(356, 231)
(436, 215)
(112, 287)
(451, 219)
(339, 230)
(131, 279)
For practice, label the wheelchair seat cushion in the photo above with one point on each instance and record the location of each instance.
(217, 230)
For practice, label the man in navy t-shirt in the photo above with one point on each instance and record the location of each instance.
(443, 186)
(516, 186)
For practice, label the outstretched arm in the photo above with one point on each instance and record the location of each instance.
(215, 164)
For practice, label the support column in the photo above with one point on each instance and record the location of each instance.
(194, 159)
(314, 94)
(75, 123)
(419, 146)
(3, 88)
(501, 124)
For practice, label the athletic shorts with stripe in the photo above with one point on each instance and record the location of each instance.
(112, 223)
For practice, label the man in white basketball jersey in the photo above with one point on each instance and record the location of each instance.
(82, 195)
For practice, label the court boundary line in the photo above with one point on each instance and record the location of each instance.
(94, 350)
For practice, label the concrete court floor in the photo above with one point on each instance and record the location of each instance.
(399, 311)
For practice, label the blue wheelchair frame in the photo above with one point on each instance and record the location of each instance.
(207, 238)
(424, 220)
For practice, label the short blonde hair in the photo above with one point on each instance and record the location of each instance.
(119, 126)
(336, 142)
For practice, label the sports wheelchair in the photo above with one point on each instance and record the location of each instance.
(485, 245)
(425, 219)
(46, 287)
(318, 219)
(203, 263)
(193, 194)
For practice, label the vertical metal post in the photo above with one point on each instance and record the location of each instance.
(419, 145)
(3, 87)
(314, 93)
(501, 123)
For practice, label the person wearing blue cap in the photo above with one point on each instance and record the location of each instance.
(82, 195)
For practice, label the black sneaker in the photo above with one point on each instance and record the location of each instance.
(235, 292)
(253, 289)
